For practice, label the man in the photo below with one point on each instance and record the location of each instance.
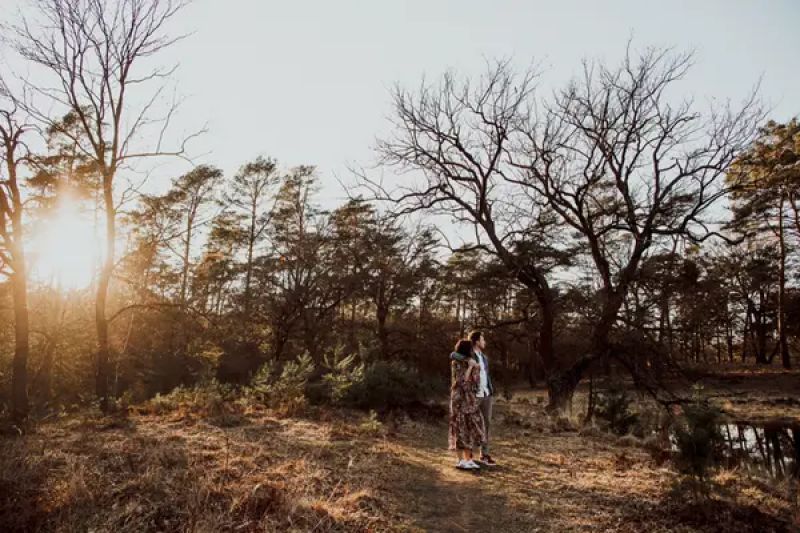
(485, 393)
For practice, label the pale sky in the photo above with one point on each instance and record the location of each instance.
(307, 82)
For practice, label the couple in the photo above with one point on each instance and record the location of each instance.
(470, 402)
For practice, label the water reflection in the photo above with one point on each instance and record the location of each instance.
(769, 448)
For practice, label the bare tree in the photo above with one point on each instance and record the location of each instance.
(630, 170)
(12, 243)
(94, 51)
(457, 136)
(609, 157)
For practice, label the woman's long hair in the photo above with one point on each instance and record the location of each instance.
(464, 347)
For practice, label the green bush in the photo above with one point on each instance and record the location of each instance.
(381, 385)
(318, 393)
(343, 373)
(388, 385)
(286, 391)
(371, 426)
(614, 407)
(698, 440)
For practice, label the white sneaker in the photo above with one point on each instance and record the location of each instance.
(472, 465)
(463, 465)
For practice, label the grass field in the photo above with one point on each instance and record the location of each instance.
(248, 469)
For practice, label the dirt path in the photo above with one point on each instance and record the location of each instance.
(549, 479)
(441, 498)
(546, 482)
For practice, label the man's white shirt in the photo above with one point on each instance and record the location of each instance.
(483, 383)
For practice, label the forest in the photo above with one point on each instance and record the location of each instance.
(629, 252)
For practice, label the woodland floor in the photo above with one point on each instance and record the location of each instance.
(343, 471)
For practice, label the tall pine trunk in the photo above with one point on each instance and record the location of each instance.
(101, 321)
(784, 344)
(383, 334)
(186, 251)
(251, 242)
(746, 333)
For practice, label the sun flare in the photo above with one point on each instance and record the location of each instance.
(65, 250)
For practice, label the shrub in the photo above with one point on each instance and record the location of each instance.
(380, 386)
(614, 407)
(698, 440)
(388, 385)
(342, 375)
(371, 426)
(262, 381)
(286, 391)
(237, 360)
(651, 419)
(207, 399)
(160, 404)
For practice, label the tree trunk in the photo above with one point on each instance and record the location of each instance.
(103, 350)
(534, 366)
(662, 319)
(281, 338)
(19, 377)
(381, 315)
(555, 394)
(251, 243)
(746, 333)
(11, 207)
(760, 332)
(185, 258)
(796, 441)
(563, 386)
(784, 344)
(458, 316)
(352, 328)
(670, 333)
(729, 338)
(590, 407)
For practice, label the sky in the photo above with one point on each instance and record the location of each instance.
(308, 82)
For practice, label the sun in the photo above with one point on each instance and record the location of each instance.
(64, 251)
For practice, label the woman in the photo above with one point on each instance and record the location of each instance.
(466, 422)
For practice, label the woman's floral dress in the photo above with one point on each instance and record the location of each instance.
(466, 421)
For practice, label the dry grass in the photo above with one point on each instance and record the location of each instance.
(241, 468)
(180, 473)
